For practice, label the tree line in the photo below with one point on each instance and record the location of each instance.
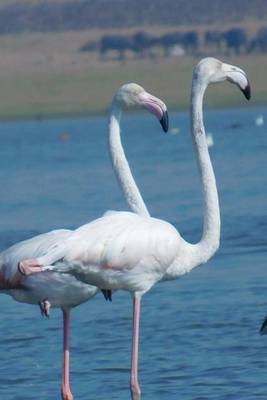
(142, 44)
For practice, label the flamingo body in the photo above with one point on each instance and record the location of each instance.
(62, 290)
(51, 289)
(121, 250)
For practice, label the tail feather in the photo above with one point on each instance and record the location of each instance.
(107, 294)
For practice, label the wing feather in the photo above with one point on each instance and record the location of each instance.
(120, 250)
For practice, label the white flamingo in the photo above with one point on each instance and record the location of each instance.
(63, 290)
(123, 250)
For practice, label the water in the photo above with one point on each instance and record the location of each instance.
(199, 335)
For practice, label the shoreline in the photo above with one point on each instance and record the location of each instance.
(103, 114)
(44, 76)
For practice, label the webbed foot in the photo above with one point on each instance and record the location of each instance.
(45, 307)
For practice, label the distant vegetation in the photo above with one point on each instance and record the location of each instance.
(59, 15)
(141, 44)
(43, 73)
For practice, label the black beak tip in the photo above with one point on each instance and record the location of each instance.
(263, 327)
(164, 122)
(247, 92)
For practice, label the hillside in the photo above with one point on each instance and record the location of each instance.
(61, 15)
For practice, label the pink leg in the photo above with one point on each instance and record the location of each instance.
(30, 266)
(65, 385)
(134, 385)
(25, 267)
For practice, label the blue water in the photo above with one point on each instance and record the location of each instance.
(199, 335)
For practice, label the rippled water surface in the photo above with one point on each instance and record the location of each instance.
(199, 334)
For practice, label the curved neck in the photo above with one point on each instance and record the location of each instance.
(120, 165)
(211, 223)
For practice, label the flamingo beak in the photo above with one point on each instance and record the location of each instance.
(156, 107)
(247, 91)
(263, 329)
(164, 121)
(239, 78)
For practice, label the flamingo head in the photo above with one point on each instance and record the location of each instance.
(211, 70)
(132, 95)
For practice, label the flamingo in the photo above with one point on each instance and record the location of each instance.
(63, 290)
(131, 251)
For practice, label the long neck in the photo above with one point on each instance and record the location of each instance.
(211, 223)
(121, 167)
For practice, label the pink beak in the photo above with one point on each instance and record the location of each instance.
(156, 107)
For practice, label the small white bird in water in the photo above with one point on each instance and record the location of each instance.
(174, 131)
(209, 138)
(259, 121)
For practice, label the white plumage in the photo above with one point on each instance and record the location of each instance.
(133, 252)
(119, 251)
(64, 290)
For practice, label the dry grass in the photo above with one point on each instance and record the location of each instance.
(44, 74)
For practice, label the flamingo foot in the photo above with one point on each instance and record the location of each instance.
(66, 394)
(45, 307)
(29, 267)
